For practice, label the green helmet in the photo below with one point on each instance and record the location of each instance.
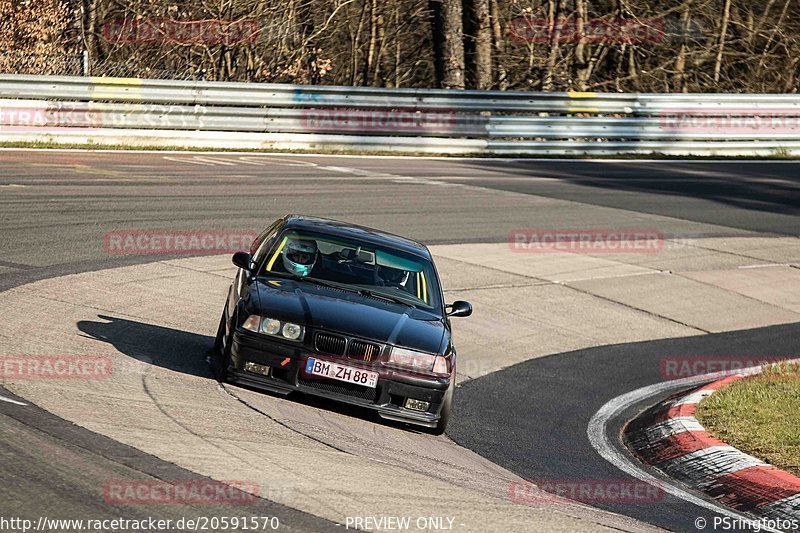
(299, 256)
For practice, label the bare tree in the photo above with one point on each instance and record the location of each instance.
(554, 31)
(478, 44)
(38, 37)
(498, 45)
(448, 43)
(585, 45)
(726, 13)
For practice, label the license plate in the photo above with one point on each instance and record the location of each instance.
(349, 374)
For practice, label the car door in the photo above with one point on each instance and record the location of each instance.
(241, 286)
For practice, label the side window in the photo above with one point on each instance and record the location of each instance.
(261, 244)
(276, 249)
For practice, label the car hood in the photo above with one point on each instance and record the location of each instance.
(353, 314)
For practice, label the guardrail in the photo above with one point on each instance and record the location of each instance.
(121, 111)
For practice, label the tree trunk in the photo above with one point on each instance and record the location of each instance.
(372, 50)
(679, 79)
(355, 48)
(479, 38)
(309, 52)
(377, 81)
(726, 14)
(772, 34)
(498, 42)
(448, 43)
(397, 52)
(89, 26)
(581, 63)
(554, 29)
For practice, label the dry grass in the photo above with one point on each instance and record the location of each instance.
(759, 415)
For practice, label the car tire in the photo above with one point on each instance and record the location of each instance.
(221, 357)
(444, 414)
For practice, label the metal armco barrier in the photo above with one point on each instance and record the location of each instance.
(173, 114)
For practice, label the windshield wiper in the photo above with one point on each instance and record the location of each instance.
(384, 296)
(315, 281)
(355, 290)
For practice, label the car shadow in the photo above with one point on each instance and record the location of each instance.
(174, 349)
(186, 352)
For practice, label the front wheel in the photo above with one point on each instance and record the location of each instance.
(221, 356)
(447, 406)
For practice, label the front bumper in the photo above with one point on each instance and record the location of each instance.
(287, 374)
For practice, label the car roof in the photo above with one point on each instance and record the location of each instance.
(338, 228)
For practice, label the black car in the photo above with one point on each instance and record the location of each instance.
(344, 312)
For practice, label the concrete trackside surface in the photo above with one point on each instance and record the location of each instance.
(156, 323)
(606, 321)
(533, 304)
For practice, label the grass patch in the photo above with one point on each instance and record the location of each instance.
(781, 152)
(759, 415)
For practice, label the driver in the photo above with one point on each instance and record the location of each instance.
(393, 277)
(300, 256)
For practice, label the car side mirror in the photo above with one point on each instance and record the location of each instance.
(242, 260)
(459, 308)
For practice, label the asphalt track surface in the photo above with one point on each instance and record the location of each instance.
(531, 418)
(52, 469)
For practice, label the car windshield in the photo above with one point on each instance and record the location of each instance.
(375, 270)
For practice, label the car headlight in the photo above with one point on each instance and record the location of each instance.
(418, 361)
(270, 326)
(291, 331)
(274, 327)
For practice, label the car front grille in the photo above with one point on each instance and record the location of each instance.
(363, 351)
(330, 344)
(345, 389)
